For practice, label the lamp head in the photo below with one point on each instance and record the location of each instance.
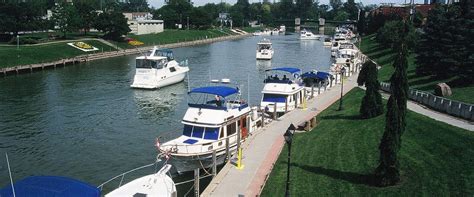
(289, 134)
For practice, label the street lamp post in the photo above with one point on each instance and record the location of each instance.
(343, 69)
(17, 42)
(288, 139)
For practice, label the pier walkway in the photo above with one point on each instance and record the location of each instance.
(261, 150)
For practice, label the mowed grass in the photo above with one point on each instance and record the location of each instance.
(32, 54)
(173, 36)
(338, 157)
(385, 56)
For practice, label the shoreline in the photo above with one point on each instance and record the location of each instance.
(29, 68)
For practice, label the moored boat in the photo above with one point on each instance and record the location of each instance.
(158, 69)
(217, 117)
(282, 93)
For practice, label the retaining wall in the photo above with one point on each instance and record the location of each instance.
(444, 105)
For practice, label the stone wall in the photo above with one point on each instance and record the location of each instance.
(444, 105)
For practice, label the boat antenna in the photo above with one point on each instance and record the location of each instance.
(10, 172)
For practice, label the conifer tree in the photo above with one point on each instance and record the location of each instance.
(388, 172)
(371, 105)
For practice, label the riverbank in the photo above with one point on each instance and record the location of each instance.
(385, 57)
(76, 56)
(339, 155)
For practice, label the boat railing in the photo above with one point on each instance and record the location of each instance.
(122, 176)
(271, 80)
(203, 147)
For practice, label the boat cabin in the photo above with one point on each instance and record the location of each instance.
(283, 90)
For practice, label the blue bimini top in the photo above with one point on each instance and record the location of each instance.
(223, 91)
(285, 69)
(54, 186)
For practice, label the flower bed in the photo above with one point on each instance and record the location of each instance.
(83, 46)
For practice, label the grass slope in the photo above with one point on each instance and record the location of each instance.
(10, 56)
(384, 57)
(174, 36)
(338, 156)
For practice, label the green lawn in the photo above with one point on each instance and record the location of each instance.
(10, 56)
(384, 57)
(252, 29)
(338, 156)
(173, 36)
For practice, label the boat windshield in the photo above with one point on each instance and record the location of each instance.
(216, 97)
(165, 53)
(147, 63)
(274, 98)
(264, 46)
(208, 133)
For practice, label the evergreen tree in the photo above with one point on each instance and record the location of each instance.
(371, 105)
(388, 172)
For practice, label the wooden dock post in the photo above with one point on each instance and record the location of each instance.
(275, 111)
(263, 118)
(214, 164)
(196, 182)
(319, 87)
(227, 151)
(312, 90)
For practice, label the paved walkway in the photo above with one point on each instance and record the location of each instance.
(446, 118)
(262, 149)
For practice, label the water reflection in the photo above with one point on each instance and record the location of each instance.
(262, 65)
(152, 104)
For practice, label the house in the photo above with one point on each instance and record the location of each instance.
(143, 23)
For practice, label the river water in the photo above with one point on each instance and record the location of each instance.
(84, 121)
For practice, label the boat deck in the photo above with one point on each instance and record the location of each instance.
(261, 150)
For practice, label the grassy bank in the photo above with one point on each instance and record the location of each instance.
(173, 36)
(338, 156)
(31, 54)
(384, 57)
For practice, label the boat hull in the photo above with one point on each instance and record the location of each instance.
(184, 164)
(141, 82)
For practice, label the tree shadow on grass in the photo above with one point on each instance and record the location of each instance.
(352, 177)
(341, 117)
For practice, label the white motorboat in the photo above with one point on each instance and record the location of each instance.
(283, 93)
(275, 32)
(157, 70)
(308, 35)
(257, 33)
(348, 55)
(216, 118)
(264, 50)
(158, 184)
(327, 42)
(282, 29)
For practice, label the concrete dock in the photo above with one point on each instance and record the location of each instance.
(261, 150)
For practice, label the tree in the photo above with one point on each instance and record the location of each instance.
(341, 15)
(199, 19)
(87, 15)
(22, 16)
(445, 48)
(113, 24)
(335, 4)
(388, 172)
(371, 105)
(351, 8)
(66, 18)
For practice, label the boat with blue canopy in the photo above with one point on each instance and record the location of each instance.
(283, 90)
(57, 186)
(216, 115)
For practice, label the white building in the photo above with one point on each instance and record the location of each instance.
(142, 23)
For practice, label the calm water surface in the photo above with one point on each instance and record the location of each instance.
(85, 122)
